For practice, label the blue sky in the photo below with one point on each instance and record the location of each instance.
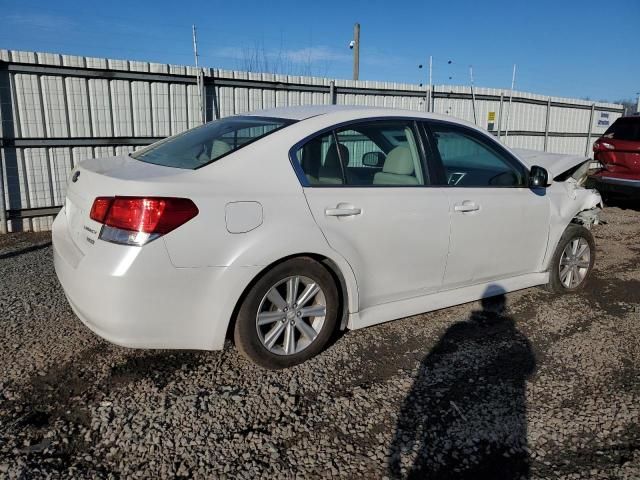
(566, 48)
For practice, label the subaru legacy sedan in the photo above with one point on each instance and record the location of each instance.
(282, 227)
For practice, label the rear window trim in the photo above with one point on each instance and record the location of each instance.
(286, 122)
(611, 131)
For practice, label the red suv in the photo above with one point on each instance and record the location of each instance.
(618, 150)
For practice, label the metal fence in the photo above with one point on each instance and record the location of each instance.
(57, 110)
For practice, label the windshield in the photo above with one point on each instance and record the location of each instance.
(624, 129)
(205, 144)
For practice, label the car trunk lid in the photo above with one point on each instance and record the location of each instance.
(113, 176)
(620, 156)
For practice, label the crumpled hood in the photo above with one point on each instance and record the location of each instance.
(554, 163)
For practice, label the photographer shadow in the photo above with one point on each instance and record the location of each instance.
(465, 415)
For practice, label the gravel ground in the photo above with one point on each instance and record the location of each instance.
(534, 386)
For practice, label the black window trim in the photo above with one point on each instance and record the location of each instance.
(413, 121)
(492, 143)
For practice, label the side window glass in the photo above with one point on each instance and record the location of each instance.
(320, 161)
(472, 162)
(380, 154)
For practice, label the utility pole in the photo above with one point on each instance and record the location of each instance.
(473, 96)
(513, 85)
(356, 51)
(199, 79)
(638, 105)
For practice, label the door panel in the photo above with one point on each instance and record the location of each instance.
(395, 239)
(495, 233)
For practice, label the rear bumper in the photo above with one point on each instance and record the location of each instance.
(135, 297)
(618, 185)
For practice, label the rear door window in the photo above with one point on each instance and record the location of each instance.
(371, 153)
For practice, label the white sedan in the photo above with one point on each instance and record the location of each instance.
(280, 227)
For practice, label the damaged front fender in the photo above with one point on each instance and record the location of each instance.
(571, 203)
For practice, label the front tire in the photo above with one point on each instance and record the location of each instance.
(288, 315)
(572, 261)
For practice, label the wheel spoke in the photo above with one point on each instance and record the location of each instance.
(583, 248)
(306, 329)
(574, 246)
(265, 318)
(289, 339)
(292, 289)
(308, 293)
(275, 298)
(564, 261)
(273, 335)
(568, 278)
(313, 311)
(564, 271)
(575, 276)
(583, 264)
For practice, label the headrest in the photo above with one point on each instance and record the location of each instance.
(399, 161)
(219, 148)
(332, 160)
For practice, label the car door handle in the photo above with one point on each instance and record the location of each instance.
(466, 206)
(340, 211)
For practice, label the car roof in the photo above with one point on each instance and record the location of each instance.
(353, 112)
(309, 111)
(302, 112)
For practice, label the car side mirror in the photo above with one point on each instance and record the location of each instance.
(538, 177)
(373, 159)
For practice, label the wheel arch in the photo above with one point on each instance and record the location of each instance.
(347, 288)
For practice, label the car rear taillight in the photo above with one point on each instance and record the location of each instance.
(100, 208)
(600, 146)
(138, 220)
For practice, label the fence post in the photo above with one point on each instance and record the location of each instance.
(427, 95)
(432, 99)
(332, 92)
(3, 210)
(500, 114)
(215, 108)
(586, 147)
(202, 92)
(5, 96)
(546, 124)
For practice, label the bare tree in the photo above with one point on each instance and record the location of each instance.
(259, 59)
(629, 105)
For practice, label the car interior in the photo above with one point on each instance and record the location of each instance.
(367, 155)
(468, 162)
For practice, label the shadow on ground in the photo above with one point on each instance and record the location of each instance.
(465, 415)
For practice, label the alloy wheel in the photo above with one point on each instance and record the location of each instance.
(574, 262)
(291, 315)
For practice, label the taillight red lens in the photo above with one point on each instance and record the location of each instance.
(147, 214)
(100, 208)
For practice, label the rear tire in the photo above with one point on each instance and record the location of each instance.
(289, 315)
(572, 261)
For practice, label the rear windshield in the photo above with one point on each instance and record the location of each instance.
(205, 144)
(624, 129)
